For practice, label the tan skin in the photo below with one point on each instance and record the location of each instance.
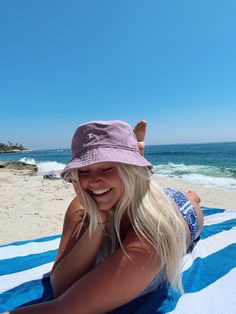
(77, 285)
(107, 286)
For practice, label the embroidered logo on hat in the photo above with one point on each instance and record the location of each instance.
(90, 136)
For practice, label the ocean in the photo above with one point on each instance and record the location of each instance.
(211, 165)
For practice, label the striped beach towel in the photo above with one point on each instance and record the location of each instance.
(209, 273)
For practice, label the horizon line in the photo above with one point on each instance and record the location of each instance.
(148, 145)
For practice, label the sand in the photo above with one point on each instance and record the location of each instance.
(32, 207)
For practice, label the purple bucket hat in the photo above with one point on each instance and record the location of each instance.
(104, 141)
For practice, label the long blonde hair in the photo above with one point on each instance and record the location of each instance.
(152, 214)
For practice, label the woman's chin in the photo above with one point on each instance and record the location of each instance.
(102, 206)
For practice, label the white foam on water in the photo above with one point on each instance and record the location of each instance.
(208, 181)
(49, 166)
(208, 176)
(45, 167)
(29, 161)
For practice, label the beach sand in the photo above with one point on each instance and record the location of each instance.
(32, 207)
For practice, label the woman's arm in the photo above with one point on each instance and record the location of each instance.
(78, 261)
(71, 226)
(116, 281)
(77, 255)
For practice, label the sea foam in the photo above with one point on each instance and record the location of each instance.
(209, 176)
(45, 167)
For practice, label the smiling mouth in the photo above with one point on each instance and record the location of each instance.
(100, 192)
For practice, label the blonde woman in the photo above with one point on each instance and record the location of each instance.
(123, 236)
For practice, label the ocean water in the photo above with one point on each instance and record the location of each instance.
(212, 165)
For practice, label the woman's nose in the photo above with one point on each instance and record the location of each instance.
(94, 179)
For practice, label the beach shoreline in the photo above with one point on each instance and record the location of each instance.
(32, 207)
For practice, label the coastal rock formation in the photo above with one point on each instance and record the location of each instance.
(19, 165)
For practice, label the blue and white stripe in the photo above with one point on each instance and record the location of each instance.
(24, 271)
(209, 271)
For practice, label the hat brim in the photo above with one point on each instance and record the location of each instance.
(104, 154)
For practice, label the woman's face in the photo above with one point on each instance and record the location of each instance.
(103, 183)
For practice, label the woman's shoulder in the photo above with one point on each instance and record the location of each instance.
(75, 204)
(74, 215)
(132, 238)
(74, 207)
(135, 241)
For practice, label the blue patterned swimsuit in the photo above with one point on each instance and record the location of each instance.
(188, 212)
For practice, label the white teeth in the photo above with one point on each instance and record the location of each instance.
(99, 192)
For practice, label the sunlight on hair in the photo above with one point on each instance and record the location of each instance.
(152, 214)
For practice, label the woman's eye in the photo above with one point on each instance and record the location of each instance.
(83, 173)
(107, 170)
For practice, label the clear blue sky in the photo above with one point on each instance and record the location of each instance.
(170, 62)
